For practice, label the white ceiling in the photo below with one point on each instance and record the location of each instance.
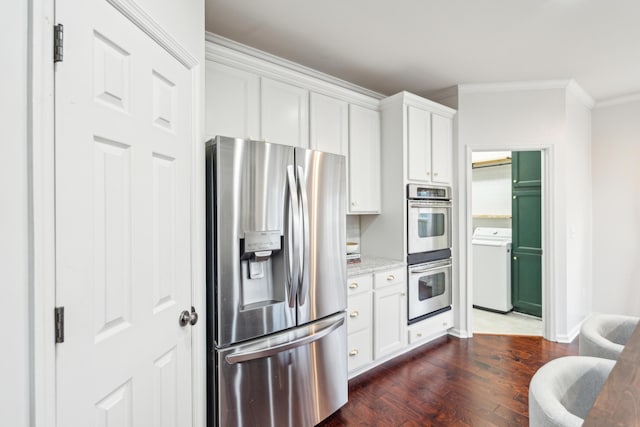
(424, 46)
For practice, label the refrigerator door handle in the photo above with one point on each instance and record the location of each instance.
(304, 255)
(247, 356)
(292, 241)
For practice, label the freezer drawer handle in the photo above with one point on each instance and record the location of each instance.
(263, 353)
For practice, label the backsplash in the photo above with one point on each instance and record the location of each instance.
(353, 228)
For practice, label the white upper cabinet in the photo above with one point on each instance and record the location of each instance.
(364, 160)
(419, 144)
(329, 124)
(284, 113)
(232, 102)
(441, 149)
(429, 146)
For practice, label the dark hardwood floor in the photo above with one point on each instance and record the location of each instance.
(482, 381)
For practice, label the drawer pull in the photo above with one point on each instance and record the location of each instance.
(353, 352)
(391, 277)
(419, 334)
(354, 285)
(354, 314)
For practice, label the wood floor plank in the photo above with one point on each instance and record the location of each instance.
(482, 381)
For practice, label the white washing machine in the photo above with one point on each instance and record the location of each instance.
(492, 269)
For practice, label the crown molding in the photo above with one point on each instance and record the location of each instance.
(623, 99)
(576, 90)
(569, 85)
(409, 98)
(513, 86)
(222, 49)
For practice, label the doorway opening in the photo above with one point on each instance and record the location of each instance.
(506, 242)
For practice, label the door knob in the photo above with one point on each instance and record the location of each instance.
(188, 317)
(194, 316)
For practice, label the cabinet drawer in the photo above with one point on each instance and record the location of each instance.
(357, 284)
(390, 277)
(359, 347)
(359, 312)
(430, 327)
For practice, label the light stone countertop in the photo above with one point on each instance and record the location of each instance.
(369, 264)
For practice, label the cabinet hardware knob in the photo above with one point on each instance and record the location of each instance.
(419, 334)
(354, 314)
(391, 277)
(515, 181)
(353, 286)
(428, 173)
(515, 258)
(353, 352)
(402, 294)
(435, 174)
(515, 197)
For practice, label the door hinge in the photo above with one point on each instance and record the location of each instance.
(58, 34)
(59, 320)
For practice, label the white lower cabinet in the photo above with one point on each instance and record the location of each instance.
(430, 328)
(377, 320)
(359, 345)
(359, 321)
(390, 320)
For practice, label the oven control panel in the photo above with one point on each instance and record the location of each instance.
(416, 191)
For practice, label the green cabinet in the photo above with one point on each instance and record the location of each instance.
(526, 251)
(526, 169)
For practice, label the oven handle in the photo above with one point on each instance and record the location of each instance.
(428, 204)
(431, 267)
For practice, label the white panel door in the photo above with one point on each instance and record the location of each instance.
(364, 160)
(123, 158)
(232, 102)
(442, 147)
(329, 124)
(284, 112)
(419, 144)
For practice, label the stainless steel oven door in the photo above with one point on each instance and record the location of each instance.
(428, 226)
(429, 287)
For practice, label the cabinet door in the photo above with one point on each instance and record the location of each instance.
(390, 320)
(364, 160)
(232, 102)
(329, 124)
(441, 149)
(284, 113)
(526, 169)
(526, 265)
(419, 144)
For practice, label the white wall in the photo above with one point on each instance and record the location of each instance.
(14, 217)
(616, 208)
(578, 197)
(523, 117)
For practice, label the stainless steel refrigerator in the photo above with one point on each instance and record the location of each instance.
(276, 284)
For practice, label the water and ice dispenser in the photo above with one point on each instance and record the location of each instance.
(262, 258)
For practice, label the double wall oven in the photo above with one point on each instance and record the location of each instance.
(428, 250)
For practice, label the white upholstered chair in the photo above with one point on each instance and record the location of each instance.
(604, 335)
(562, 391)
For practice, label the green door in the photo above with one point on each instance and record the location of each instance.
(526, 261)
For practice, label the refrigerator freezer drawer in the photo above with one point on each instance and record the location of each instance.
(294, 378)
